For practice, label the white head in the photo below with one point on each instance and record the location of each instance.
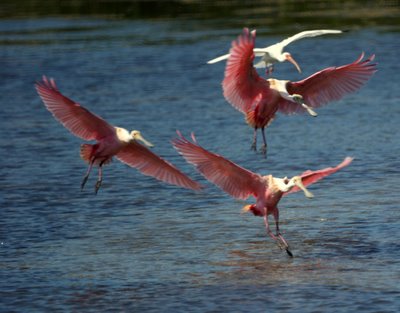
(296, 181)
(286, 56)
(285, 184)
(136, 135)
(296, 98)
(299, 99)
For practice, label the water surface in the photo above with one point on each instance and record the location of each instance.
(141, 245)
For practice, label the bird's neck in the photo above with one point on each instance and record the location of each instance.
(280, 86)
(283, 184)
(123, 135)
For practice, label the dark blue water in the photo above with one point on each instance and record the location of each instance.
(141, 245)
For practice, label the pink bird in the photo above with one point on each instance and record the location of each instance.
(259, 99)
(241, 183)
(111, 141)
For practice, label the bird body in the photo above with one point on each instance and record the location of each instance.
(111, 141)
(110, 146)
(241, 183)
(274, 53)
(259, 99)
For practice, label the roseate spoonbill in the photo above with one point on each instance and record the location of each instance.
(274, 53)
(259, 99)
(111, 141)
(241, 183)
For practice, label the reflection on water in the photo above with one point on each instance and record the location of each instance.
(140, 245)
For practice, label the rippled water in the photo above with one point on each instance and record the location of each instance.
(140, 245)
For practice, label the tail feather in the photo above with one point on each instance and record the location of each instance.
(251, 118)
(87, 151)
(254, 120)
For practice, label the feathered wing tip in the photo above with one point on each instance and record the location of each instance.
(48, 83)
(360, 57)
(236, 42)
(235, 180)
(183, 139)
(178, 132)
(193, 137)
(148, 163)
(370, 59)
(367, 62)
(241, 83)
(246, 37)
(310, 177)
(240, 38)
(345, 162)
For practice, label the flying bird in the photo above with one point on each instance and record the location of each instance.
(111, 140)
(241, 183)
(259, 99)
(274, 53)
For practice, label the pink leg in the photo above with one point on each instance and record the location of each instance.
(283, 243)
(85, 178)
(264, 146)
(269, 232)
(100, 178)
(269, 69)
(254, 144)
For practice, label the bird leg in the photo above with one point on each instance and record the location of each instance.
(283, 242)
(271, 234)
(254, 144)
(100, 178)
(264, 146)
(269, 69)
(85, 178)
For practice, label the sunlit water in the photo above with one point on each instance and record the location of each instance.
(141, 245)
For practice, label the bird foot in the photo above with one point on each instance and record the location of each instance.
(282, 244)
(254, 146)
(84, 182)
(289, 253)
(269, 70)
(264, 150)
(97, 187)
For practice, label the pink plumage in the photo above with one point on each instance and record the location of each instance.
(233, 179)
(111, 141)
(259, 99)
(330, 84)
(241, 183)
(72, 115)
(311, 177)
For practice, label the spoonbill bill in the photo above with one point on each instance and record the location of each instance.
(241, 183)
(274, 53)
(111, 140)
(259, 99)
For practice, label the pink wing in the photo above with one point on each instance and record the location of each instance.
(150, 164)
(242, 84)
(233, 179)
(310, 177)
(330, 84)
(73, 116)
